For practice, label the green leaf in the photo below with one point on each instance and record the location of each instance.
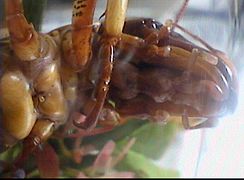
(144, 167)
(117, 134)
(10, 154)
(152, 139)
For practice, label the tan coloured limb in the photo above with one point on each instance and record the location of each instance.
(83, 11)
(114, 22)
(24, 38)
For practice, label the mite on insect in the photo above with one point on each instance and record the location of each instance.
(108, 74)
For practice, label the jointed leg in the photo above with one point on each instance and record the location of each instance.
(114, 22)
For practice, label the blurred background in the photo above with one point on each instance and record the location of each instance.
(216, 152)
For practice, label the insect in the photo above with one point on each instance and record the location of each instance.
(108, 74)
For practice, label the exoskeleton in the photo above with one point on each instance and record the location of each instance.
(108, 74)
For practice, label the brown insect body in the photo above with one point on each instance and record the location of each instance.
(142, 86)
(147, 71)
(152, 84)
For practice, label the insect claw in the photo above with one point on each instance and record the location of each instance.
(209, 123)
(185, 120)
(81, 123)
(197, 123)
(78, 118)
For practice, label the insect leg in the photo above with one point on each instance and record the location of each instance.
(83, 11)
(41, 131)
(25, 40)
(114, 22)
